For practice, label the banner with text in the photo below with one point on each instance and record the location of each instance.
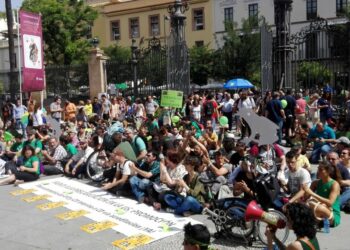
(130, 217)
(32, 51)
(171, 99)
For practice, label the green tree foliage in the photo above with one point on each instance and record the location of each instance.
(314, 73)
(240, 55)
(66, 25)
(118, 53)
(201, 64)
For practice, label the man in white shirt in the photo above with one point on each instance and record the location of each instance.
(298, 178)
(248, 102)
(226, 107)
(151, 106)
(120, 184)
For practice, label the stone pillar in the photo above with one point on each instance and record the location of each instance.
(97, 72)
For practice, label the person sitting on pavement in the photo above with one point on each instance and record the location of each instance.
(301, 220)
(15, 148)
(54, 157)
(197, 237)
(322, 136)
(137, 144)
(298, 178)
(28, 170)
(34, 142)
(66, 142)
(146, 175)
(302, 160)
(120, 184)
(76, 165)
(344, 168)
(324, 194)
(341, 143)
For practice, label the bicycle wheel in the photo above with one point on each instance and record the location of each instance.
(94, 167)
(281, 234)
(237, 225)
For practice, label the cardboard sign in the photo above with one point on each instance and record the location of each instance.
(71, 215)
(51, 205)
(132, 241)
(36, 198)
(171, 98)
(22, 191)
(98, 226)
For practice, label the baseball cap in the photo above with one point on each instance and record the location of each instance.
(344, 140)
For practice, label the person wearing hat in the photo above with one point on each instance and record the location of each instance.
(34, 142)
(76, 165)
(341, 143)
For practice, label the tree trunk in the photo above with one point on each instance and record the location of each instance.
(12, 55)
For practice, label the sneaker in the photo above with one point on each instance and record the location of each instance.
(170, 210)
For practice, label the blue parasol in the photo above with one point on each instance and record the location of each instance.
(238, 83)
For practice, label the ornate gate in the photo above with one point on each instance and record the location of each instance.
(320, 56)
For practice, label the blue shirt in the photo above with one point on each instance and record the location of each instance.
(274, 108)
(326, 133)
(18, 112)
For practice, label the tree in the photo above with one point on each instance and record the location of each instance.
(118, 53)
(201, 64)
(313, 73)
(240, 55)
(66, 25)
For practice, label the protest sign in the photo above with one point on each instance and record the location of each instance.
(97, 226)
(132, 242)
(51, 205)
(130, 217)
(72, 215)
(171, 99)
(22, 191)
(36, 198)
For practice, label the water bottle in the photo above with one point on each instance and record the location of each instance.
(326, 225)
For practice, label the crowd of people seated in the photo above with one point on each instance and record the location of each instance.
(174, 155)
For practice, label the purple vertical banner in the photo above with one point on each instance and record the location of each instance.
(32, 50)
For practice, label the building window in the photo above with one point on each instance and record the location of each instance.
(198, 19)
(311, 9)
(199, 43)
(134, 27)
(341, 6)
(253, 10)
(311, 46)
(228, 18)
(154, 29)
(115, 30)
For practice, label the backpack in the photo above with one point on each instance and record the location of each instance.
(267, 188)
(209, 108)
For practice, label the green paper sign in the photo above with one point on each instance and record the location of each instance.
(171, 98)
(121, 86)
(8, 136)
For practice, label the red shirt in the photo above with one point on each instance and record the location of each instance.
(300, 107)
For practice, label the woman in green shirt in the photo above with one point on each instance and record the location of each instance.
(28, 171)
(324, 194)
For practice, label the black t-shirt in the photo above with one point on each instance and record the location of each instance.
(250, 183)
(235, 159)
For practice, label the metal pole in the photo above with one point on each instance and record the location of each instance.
(19, 63)
(134, 65)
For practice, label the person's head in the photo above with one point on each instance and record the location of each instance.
(276, 95)
(83, 143)
(95, 99)
(28, 151)
(333, 158)
(18, 102)
(228, 144)
(197, 237)
(172, 158)
(342, 143)
(88, 101)
(151, 156)
(18, 137)
(291, 159)
(31, 134)
(297, 149)
(117, 137)
(345, 154)
(244, 94)
(149, 98)
(319, 126)
(129, 134)
(326, 170)
(208, 124)
(103, 97)
(58, 100)
(53, 143)
(302, 220)
(210, 97)
(192, 163)
(241, 147)
(118, 155)
(219, 159)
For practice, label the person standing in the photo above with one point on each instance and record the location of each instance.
(210, 109)
(96, 107)
(56, 109)
(248, 102)
(275, 113)
(290, 115)
(106, 108)
(300, 108)
(151, 106)
(18, 112)
(70, 111)
(227, 108)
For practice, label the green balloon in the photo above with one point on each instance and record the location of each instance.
(223, 120)
(175, 119)
(284, 103)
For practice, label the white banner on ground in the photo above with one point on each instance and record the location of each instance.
(131, 217)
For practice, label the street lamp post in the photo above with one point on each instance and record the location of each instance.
(134, 62)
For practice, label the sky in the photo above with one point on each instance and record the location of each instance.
(15, 4)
